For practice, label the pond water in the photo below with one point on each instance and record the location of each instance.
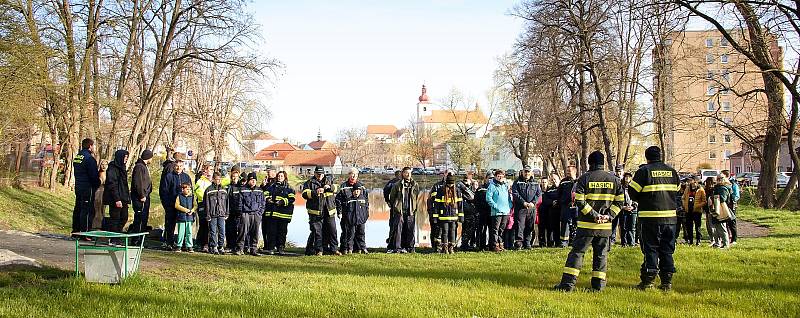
(377, 227)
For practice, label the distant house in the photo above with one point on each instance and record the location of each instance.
(320, 145)
(746, 160)
(383, 133)
(255, 142)
(274, 155)
(303, 162)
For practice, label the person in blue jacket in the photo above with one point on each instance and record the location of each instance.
(87, 180)
(168, 191)
(352, 202)
(498, 196)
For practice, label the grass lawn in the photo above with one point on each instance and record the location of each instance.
(757, 278)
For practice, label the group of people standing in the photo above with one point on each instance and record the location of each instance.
(717, 198)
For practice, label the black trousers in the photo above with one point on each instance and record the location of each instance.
(202, 229)
(169, 223)
(484, 222)
(314, 242)
(249, 225)
(658, 245)
(524, 220)
(448, 232)
(732, 230)
(469, 233)
(496, 230)
(141, 215)
(278, 228)
(117, 218)
(600, 247)
(568, 226)
(693, 221)
(393, 219)
(83, 212)
(679, 227)
(330, 238)
(266, 229)
(436, 232)
(404, 229)
(353, 237)
(232, 230)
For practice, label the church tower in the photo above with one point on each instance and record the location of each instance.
(423, 108)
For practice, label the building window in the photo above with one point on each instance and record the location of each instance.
(727, 138)
(712, 123)
(711, 90)
(709, 42)
(709, 75)
(727, 154)
(709, 59)
(725, 74)
(712, 139)
(712, 155)
(738, 169)
(712, 106)
(723, 58)
(726, 106)
(727, 121)
(723, 42)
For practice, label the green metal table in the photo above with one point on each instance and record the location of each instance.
(95, 244)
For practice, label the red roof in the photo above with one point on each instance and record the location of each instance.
(381, 129)
(325, 158)
(277, 151)
(321, 145)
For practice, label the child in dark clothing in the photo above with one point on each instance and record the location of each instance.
(186, 207)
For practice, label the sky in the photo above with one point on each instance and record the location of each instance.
(354, 63)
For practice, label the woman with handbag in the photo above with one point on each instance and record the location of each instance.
(720, 212)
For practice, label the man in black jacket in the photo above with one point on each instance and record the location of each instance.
(654, 187)
(168, 191)
(393, 219)
(526, 192)
(141, 187)
(569, 213)
(116, 193)
(87, 180)
(321, 207)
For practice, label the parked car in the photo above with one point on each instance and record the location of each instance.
(429, 171)
(417, 171)
(707, 173)
(747, 179)
(389, 170)
(783, 180)
(511, 173)
(366, 170)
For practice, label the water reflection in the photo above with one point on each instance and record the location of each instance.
(377, 228)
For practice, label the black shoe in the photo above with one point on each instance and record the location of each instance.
(564, 288)
(665, 287)
(411, 250)
(253, 252)
(646, 281)
(666, 281)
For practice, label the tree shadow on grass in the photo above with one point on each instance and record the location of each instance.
(23, 275)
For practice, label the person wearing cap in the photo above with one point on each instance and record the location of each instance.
(404, 196)
(469, 233)
(448, 204)
(168, 192)
(235, 185)
(141, 187)
(498, 197)
(251, 205)
(619, 172)
(654, 187)
(599, 197)
(352, 201)
(319, 194)
(87, 181)
(569, 213)
(526, 193)
(436, 189)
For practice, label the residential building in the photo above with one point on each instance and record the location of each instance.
(303, 162)
(274, 155)
(698, 76)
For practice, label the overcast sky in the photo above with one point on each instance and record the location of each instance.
(353, 63)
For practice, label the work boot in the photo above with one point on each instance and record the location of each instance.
(598, 284)
(647, 281)
(450, 248)
(666, 282)
(567, 283)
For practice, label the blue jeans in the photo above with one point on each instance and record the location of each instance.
(216, 232)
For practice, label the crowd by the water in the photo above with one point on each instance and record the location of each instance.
(240, 214)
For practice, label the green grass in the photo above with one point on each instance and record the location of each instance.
(756, 278)
(36, 210)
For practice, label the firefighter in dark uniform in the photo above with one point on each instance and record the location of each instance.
(567, 205)
(654, 187)
(319, 193)
(87, 180)
(598, 197)
(436, 189)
